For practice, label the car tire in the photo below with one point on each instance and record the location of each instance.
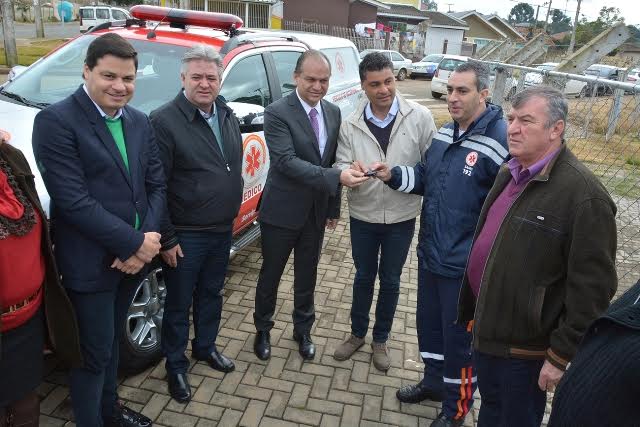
(436, 95)
(402, 74)
(584, 92)
(140, 340)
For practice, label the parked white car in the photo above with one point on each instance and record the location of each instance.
(572, 88)
(442, 73)
(92, 16)
(449, 63)
(402, 67)
(426, 67)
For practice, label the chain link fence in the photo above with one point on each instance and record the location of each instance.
(603, 130)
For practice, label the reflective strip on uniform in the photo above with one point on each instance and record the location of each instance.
(446, 131)
(408, 179)
(444, 138)
(495, 145)
(434, 356)
(457, 380)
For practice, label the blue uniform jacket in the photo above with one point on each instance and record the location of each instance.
(454, 178)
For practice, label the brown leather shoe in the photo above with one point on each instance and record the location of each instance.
(381, 359)
(345, 350)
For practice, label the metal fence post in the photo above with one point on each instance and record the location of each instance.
(500, 82)
(587, 117)
(634, 117)
(614, 113)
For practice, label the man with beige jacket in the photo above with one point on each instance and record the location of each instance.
(389, 129)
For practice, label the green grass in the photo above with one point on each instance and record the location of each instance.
(633, 161)
(30, 53)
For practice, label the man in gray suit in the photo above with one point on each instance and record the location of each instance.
(301, 197)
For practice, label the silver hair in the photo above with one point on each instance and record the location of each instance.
(201, 52)
(480, 70)
(557, 106)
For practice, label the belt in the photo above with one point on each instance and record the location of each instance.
(21, 304)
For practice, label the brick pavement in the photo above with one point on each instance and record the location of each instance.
(284, 391)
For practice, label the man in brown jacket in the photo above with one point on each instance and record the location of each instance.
(542, 265)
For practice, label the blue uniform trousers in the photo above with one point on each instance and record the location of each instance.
(445, 347)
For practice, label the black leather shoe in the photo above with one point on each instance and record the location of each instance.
(218, 361)
(261, 345)
(417, 393)
(444, 421)
(305, 346)
(127, 417)
(179, 387)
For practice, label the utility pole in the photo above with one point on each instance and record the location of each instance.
(535, 21)
(37, 11)
(572, 43)
(546, 21)
(10, 49)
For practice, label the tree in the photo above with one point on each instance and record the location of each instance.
(428, 5)
(522, 12)
(609, 16)
(559, 22)
(588, 30)
(8, 31)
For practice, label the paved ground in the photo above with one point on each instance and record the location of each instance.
(285, 391)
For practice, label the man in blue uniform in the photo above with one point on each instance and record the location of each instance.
(454, 178)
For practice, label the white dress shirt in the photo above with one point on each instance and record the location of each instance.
(100, 110)
(393, 111)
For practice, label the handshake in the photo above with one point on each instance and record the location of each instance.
(358, 173)
(144, 255)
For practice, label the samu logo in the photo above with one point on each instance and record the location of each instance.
(470, 161)
(256, 160)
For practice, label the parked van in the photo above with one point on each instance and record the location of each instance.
(91, 16)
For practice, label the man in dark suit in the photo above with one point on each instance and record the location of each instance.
(200, 142)
(301, 197)
(100, 164)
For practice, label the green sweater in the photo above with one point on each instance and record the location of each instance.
(115, 127)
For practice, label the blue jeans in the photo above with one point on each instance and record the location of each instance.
(391, 243)
(509, 391)
(199, 277)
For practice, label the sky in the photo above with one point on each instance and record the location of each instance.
(588, 8)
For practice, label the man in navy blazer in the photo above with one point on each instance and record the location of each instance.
(100, 164)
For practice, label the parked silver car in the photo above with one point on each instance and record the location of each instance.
(572, 87)
(426, 67)
(402, 67)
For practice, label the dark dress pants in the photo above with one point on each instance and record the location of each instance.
(277, 244)
(101, 318)
(198, 277)
(510, 392)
